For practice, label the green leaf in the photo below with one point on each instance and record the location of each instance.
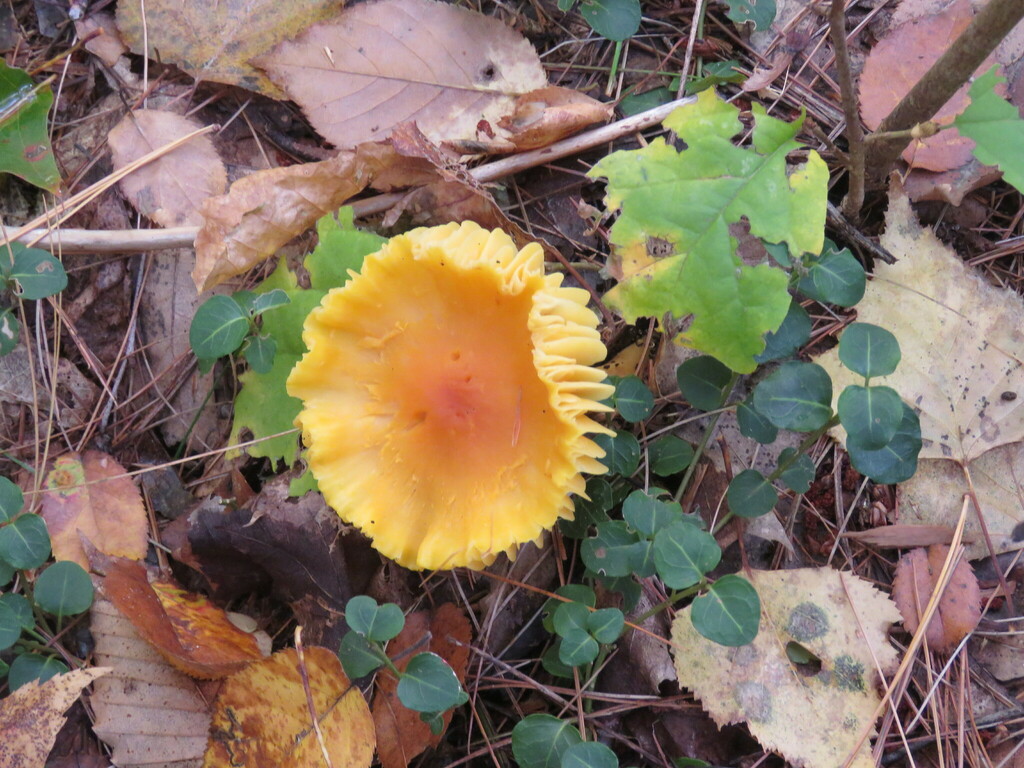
(606, 624)
(633, 400)
(589, 754)
(730, 613)
(357, 656)
(8, 331)
(579, 593)
(25, 149)
(435, 720)
(38, 273)
(259, 353)
(612, 19)
(218, 327)
(794, 332)
(25, 543)
(614, 551)
(897, 461)
(11, 500)
(870, 415)
(682, 203)
(428, 684)
(569, 618)
(10, 627)
(750, 494)
(622, 452)
(869, 350)
(540, 741)
(797, 396)
(565, 5)
(64, 589)
(647, 514)
(375, 622)
(552, 661)
(577, 647)
(800, 475)
(590, 511)
(635, 103)
(624, 585)
(715, 73)
(669, 455)
(263, 302)
(341, 248)
(996, 128)
(753, 424)
(704, 382)
(21, 607)
(33, 666)
(760, 12)
(6, 572)
(683, 554)
(836, 277)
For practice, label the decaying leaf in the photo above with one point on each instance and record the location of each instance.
(216, 41)
(813, 718)
(959, 608)
(171, 189)
(548, 114)
(31, 717)
(195, 636)
(79, 501)
(962, 369)
(147, 711)
(262, 716)
(401, 733)
(382, 63)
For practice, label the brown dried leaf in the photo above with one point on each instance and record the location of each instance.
(78, 501)
(959, 608)
(546, 115)
(262, 717)
(106, 44)
(170, 190)
(216, 41)
(195, 636)
(31, 717)
(902, 536)
(401, 734)
(382, 63)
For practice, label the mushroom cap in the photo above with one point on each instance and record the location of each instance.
(446, 393)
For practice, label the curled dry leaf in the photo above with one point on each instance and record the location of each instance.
(382, 63)
(544, 116)
(401, 733)
(262, 716)
(171, 189)
(959, 608)
(105, 43)
(87, 495)
(194, 635)
(31, 717)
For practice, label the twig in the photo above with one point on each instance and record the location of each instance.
(854, 132)
(89, 241)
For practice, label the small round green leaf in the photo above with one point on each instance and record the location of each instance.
(11, 500)
(10, 627)
(753, 425)
(760, 12)
(704, 382)
(633, 400)
(612, 19)
(750, 494)
(375, 622)
(38, 273)
(589, 754)
(800, 474)
(64, 589)
(621, 452)
(613, 551)
(33, 666)
(897, 461)
(552, 661)
(9, 329)
(870, 415)
(269, 300)
(577, 647)
(428, 684)
(869, 350)
(730, 613)
(797, 396)
(218, 328)
(25, 542)
(588, 511)
(836, 277)
(683, 554)
(647, 514)
(540, 741)
(21, 607)
(357, 656)
(626, 586)
(6, 572)
(579, 593)
(606, 624)
(669, 455)
(259, 353)
(794, 332)
(569, 618)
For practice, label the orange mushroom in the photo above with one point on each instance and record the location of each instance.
(446, 393)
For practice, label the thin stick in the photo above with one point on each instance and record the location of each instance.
(854, 131)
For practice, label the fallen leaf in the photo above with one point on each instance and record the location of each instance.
(217, 41)
(106, 44)
(195, 636)
(88, 495)
(147, 711)
(401, 733)
(382, 63)
(544, 116)
(812, 718)
(262, 717)
(962, 368)
(959, 608)
(901, 536)
(31, 716)
(171, 189)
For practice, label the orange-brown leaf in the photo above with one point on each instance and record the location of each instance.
(401, 734)
(87, 495)
(191, 633)
(546, 115)
(262, 716)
